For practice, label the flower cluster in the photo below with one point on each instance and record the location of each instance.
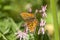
(42, 22)
(43, 11)
(22, 35)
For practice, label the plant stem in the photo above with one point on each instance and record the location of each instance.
(55, 21)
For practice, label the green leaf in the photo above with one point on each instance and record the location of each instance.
(7, 8)
(7, 31)
(11, 36)
(4, 26)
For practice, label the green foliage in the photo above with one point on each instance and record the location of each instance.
(5, 28)
(10, 18)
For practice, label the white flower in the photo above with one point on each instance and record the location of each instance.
(42, 23)
(44, 8)
(36, 11)
(43, 11)
(21, 35)
(43, 30)
(44, 14)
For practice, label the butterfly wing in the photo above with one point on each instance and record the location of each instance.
(32, 25)
(26, 15)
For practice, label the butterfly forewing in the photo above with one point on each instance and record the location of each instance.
(26, 16)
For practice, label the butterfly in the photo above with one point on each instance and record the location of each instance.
(30, 21)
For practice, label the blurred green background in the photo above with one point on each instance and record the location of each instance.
(10, 16)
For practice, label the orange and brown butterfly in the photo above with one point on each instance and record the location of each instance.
(30, 20)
